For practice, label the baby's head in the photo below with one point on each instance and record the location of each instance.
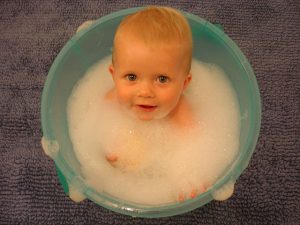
(151, 61)
(157, 27)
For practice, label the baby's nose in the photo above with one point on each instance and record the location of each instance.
(146, 90)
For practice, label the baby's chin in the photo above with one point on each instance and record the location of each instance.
(148, 116)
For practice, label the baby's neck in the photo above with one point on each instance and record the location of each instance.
(182, 116)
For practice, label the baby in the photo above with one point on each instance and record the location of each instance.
(151, 65)
(150, 68)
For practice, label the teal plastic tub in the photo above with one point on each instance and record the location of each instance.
(87, 47)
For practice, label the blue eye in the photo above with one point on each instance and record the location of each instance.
(163, 79)
(131, 77)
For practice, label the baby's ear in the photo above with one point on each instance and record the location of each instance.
(111, 69)
(187, 81)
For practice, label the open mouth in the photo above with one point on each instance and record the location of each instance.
(147, 108)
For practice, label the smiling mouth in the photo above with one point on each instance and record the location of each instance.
(147, 108)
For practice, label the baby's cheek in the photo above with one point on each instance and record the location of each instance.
(124, 96)
(171, 100)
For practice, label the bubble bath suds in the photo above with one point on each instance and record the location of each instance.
(160, 162)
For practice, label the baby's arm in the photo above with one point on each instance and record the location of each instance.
(110, 95)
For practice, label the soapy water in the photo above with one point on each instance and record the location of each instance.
(159, 164)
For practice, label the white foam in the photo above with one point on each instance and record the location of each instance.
(163, 162)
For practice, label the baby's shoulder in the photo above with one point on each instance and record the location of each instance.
(110, 95)
(185, 114)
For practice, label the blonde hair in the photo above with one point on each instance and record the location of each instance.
(158, 26)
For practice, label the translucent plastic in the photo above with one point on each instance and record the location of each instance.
(89, 46)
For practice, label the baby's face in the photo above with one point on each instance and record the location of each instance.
(149, 81)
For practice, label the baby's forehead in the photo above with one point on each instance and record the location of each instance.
(130, 39)
(174, 47)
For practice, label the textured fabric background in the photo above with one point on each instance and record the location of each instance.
(33, 32)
